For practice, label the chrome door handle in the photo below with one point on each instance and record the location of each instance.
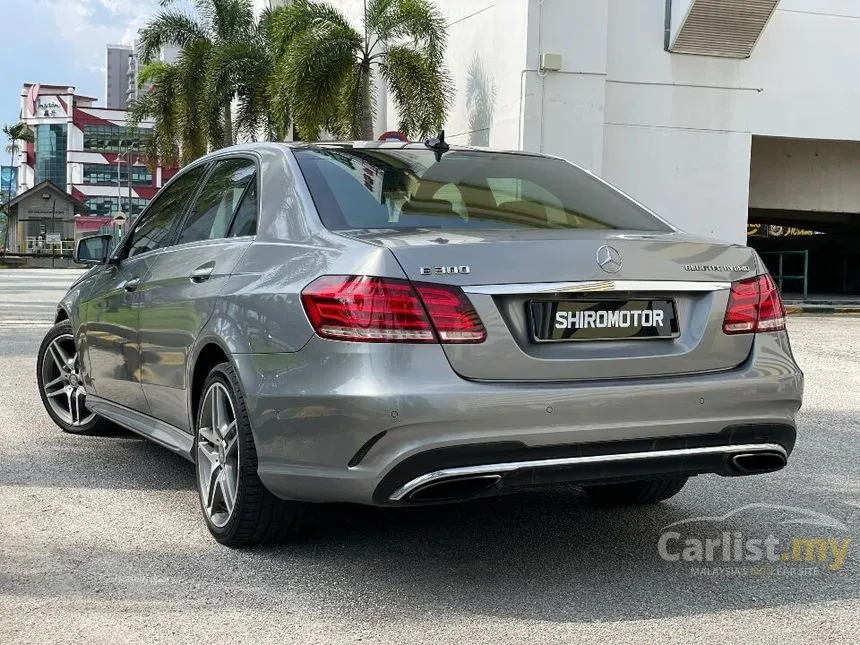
(202, 273)
(131, 285)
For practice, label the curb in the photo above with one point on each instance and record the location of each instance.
(822, 309)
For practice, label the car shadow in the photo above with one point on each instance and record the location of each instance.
(544, 554)
(115, 459)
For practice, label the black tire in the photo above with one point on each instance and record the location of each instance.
(637, 493)
(257, 516)
(62, 412)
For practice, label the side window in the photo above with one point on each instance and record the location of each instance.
(213, 211)
(245, 222)
(153, 231)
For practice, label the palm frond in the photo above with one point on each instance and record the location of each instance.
(18, 132)
(192, 66)
(169, 28)
(416, 23)
(231, 20)
(421, 88)
(243, 69)
(162, 105)
(317, 63)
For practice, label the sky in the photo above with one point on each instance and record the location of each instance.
(62, 42)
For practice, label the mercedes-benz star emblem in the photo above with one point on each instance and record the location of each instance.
(609, 259)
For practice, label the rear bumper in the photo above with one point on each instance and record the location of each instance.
(353, 423)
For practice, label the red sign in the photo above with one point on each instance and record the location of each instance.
(393, 135)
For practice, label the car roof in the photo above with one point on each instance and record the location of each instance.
(376, 145)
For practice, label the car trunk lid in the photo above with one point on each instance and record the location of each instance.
(519, 281)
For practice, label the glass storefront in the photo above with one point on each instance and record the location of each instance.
(104, 174)
(51, 144)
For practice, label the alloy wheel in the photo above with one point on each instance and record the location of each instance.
(62, 382)
(218, 455)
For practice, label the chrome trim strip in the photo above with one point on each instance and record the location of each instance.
(655, 286)
(507, 467)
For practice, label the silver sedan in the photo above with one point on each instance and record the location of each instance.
(401, 324)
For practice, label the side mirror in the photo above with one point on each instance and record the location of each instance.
(93, 250)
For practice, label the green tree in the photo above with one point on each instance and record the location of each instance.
(325, 65)
(223, 56)
(180, 132)
(14, 133)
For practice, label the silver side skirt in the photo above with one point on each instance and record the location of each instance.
(158, 431)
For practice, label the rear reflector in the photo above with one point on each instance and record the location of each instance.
(754, 306)
(386, 310)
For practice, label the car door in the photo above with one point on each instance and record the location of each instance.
(112, 361)
(179, 293)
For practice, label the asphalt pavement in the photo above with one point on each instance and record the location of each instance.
(101, 539)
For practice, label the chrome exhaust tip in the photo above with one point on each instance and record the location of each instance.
(455, 488)
(754, 463)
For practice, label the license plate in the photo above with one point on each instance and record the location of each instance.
(570, 320)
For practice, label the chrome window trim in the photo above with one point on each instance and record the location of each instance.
(653, 286)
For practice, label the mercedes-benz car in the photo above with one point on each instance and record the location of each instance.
(398, 324)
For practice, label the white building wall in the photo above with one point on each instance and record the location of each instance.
(486, 57)
(678, 128)
(565, 109)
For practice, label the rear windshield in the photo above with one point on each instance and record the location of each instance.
(407, 189)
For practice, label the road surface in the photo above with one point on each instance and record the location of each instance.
(102, 541)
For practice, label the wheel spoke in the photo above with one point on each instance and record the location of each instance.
(213, 487)
(221, 412)
(231, 438)
(67, 360)
(207, 461)
(208, 434)
(213, 411)
(79, 408)
(59, 379)
(71, 407)
(57, 392)
(58, 355)
(228, 488)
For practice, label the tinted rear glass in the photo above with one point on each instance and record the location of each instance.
(404, 189)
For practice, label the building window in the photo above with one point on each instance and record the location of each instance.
(50, 147)
(105, 206)
(113, 138)
(103, 174)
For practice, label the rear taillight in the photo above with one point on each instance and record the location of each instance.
(754, 306)
(387, 310)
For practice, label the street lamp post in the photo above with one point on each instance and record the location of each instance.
(132, 144)
(53, 231)
(118, 180)
(46, 197)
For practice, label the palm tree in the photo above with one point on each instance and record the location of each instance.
(249, 67)
(15, 133)
(199, 81)
(325, 65)
(180, 132)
